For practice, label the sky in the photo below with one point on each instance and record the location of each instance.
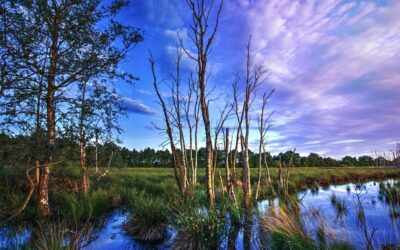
(334, 65)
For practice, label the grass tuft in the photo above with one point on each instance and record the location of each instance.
(286, 230)
(149, 221)
(199, 227)
(339, 204)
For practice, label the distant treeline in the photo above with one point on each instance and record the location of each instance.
(16, 150)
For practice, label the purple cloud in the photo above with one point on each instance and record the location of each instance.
(335, 67)
(333, 63)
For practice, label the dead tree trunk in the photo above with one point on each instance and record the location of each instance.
(196, 126)
(255, 76)
(239, 117)
(266, 164)
(178, 170)
(227, 170)
(176, 100)
(229, 181)
(262, 129)
(203, 39)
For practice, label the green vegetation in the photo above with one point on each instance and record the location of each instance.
(113, 189)
(60, 236)
(152, 196)
(199, 228)
(150, 219)
(286, 230)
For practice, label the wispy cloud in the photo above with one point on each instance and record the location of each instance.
(335, 67)
(137, 106)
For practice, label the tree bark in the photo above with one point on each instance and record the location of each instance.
(82, 141)
(200, 16)
(43, 197)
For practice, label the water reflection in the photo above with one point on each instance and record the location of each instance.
(369, 222)
(112, 236)
(366, 215)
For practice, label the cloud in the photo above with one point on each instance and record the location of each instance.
(137, 106)
(335, 67)
(333, 63)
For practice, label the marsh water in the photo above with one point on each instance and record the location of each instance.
(316, 208)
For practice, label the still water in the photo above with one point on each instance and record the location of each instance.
(344, 225)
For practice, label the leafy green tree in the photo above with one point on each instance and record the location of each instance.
(349, 161)
(330, 162)
(314, 160)
(365, 161)
(59, 44)
(149, 157)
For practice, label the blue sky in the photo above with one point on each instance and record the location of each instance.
(334, 65)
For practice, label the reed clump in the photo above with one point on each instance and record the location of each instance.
(61, 235)
(149, 221)
(339, 204)
(81, 207)
(286, 230)
(199, 227)
(391, 193)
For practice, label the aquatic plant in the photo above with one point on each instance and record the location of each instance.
(339, 204)
(391, 193)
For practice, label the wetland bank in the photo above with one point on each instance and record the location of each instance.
(103, 217)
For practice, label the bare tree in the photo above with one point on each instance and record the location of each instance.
(196, 112)
(263, 127)
(177, 100)
(266, 164)
(239, 117)
(202, 35)
(218, 128)
(178, 169)
(255, 76)
(229, 181)
(187, 102)
(192, 115)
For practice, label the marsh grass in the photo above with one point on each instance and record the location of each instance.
(152, 193)
(391, 193)
(286, 230)
(199, 227)
(81, 207)
(339, 204)
(61, 235)
(150, 219)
